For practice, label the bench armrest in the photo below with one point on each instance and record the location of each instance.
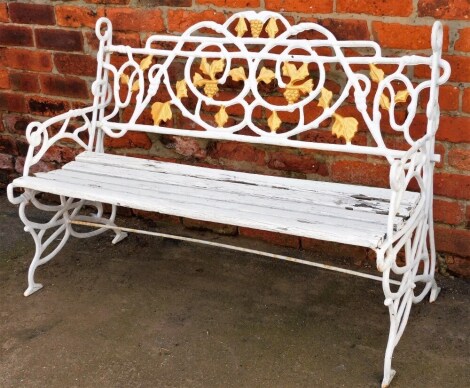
(40, 138)
(415, 166)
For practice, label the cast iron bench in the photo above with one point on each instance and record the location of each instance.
(219, 80)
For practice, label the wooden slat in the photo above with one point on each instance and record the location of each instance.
(328, 211)
(240, 200)
(360, 198)
(205, 212)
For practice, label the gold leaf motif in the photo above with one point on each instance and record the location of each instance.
(344, 127)
(265, 75)
(198, 80)
(325, 98)
(221, 117)
(181, 90)
(210, 85)
(124, 79)
(135, 86)
(274, 122)
(401, 96)
(238, 74)
(146, 62)
(161, 111)
(376, 74)
(205, 67)
(289, 70)
(272, 28)
(216, 67)
(241, 27)
(293, 91)
(384, 102)
(256, 28)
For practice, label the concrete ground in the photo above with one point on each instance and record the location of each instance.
(152, 312)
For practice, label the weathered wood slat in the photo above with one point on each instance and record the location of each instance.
(322, 210)
(92, 192)
(238, 200)
(360, 198)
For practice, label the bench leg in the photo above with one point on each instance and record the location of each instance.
(417, 281)
(58, 229)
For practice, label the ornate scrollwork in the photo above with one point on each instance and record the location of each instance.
(58, 229)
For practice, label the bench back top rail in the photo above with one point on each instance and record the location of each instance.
(210, 61)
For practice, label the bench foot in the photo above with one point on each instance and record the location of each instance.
(32, 289)
(388, 378)
(435, 290)
(119, 237)
(58, 229)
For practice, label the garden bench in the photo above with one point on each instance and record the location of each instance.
(219, 80)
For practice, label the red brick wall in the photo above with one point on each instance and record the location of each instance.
(47, 53)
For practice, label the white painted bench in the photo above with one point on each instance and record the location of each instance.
(250, 50)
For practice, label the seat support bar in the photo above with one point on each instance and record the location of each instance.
(233, 248)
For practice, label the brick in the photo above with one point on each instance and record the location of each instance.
(185, 146)
(459, 158)
(45, 106)
(15, 123)
(455, 241)
(120, 2)
(463, 42)
(228, 230)
(58, 39)
(23, 81)
(359, 172)
(455, 129)
(136, 19)
(72, 16)
(64, 86)
(376, 7)
(448, 212)
(4, 79)
(4, 18)
(346, 29)
(304, 6)
(8, 145)
(466, 100)
(13, 102)
(171, 3)
(448, 98)
(158, 217)
(444, 9)
(33, 60)
(240, 152)
(31, 13)
(452, 185)
(298, 163)
(180, 20)
(460, 66)
(402, 36)
(130, 140)
(16, 35)
(459, 266)
(6, 162)
(284, 240)
(77, 64)
(218, 3)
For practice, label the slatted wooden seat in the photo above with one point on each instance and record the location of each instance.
(320, 210)
(251, 50)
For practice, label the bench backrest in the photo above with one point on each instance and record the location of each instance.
(258, 79)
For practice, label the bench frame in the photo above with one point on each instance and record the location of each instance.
(416, 238)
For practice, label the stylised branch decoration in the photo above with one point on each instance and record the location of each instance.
(210, 85)
(274, 122)
(377, 75)
(293, 88)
